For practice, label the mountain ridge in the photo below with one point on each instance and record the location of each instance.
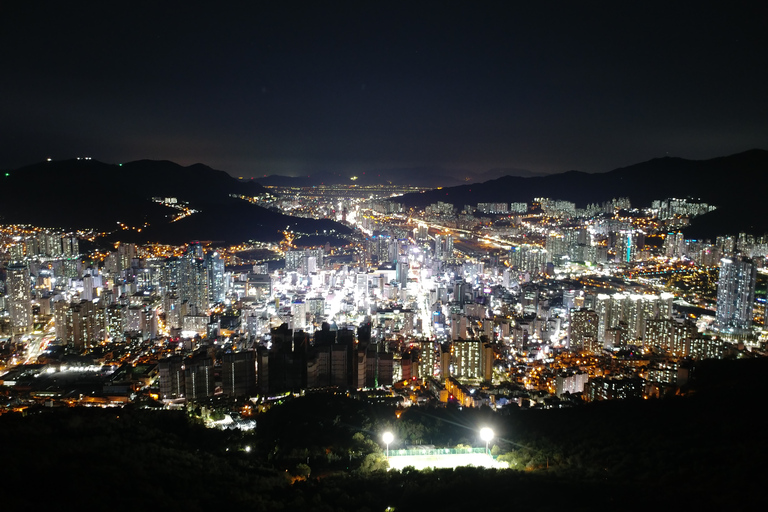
(736, 184)
(88, 194)
(422, 176)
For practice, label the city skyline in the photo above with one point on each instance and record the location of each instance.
(434, 310)
(294, 89)
(448, 335)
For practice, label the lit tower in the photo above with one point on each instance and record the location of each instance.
(19, 297)
(217, 286)
(735, 295)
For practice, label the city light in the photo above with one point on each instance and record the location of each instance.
(558, 314)
(529, 224)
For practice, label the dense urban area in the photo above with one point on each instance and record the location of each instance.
(383, 256)
(529, 305)
(420, 330)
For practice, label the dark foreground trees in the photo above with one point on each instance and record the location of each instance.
(324, 453)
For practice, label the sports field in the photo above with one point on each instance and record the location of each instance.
(444, 460)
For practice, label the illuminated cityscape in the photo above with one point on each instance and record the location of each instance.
(543, 308)
(383, 256)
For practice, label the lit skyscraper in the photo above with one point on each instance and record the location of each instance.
(19, 297)
(216, 279)
(193, 282)
(736, 294)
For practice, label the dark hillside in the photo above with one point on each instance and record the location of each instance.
(737, 184)
(81, 194)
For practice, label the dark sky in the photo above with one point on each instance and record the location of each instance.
(290, 88)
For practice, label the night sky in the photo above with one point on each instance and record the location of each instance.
(295, 88)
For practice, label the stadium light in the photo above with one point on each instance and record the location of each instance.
(486, 434)
(387, 437)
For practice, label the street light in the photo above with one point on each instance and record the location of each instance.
(387, 437)
(486, 434)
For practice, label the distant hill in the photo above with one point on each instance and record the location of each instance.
(430, 177)
(83, 193)
(737, 184)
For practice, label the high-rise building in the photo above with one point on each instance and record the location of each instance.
(170, 275)
(19, 297)
(115, 323)
(428, 359)
(172, 379)
(62, 314)
(238, 373)
(670, 335)
(604, 310)
(193, 283)
(88, 324)
(626, 246)
(402, 270)
(674, 245)
(557, 245)
(570, 382)
(443, 247)
(216, 278)
(472, 359)
(304, 261)
(528, 258)
(17, 252)
(736, 295)
(583, 330)
(198, 376)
